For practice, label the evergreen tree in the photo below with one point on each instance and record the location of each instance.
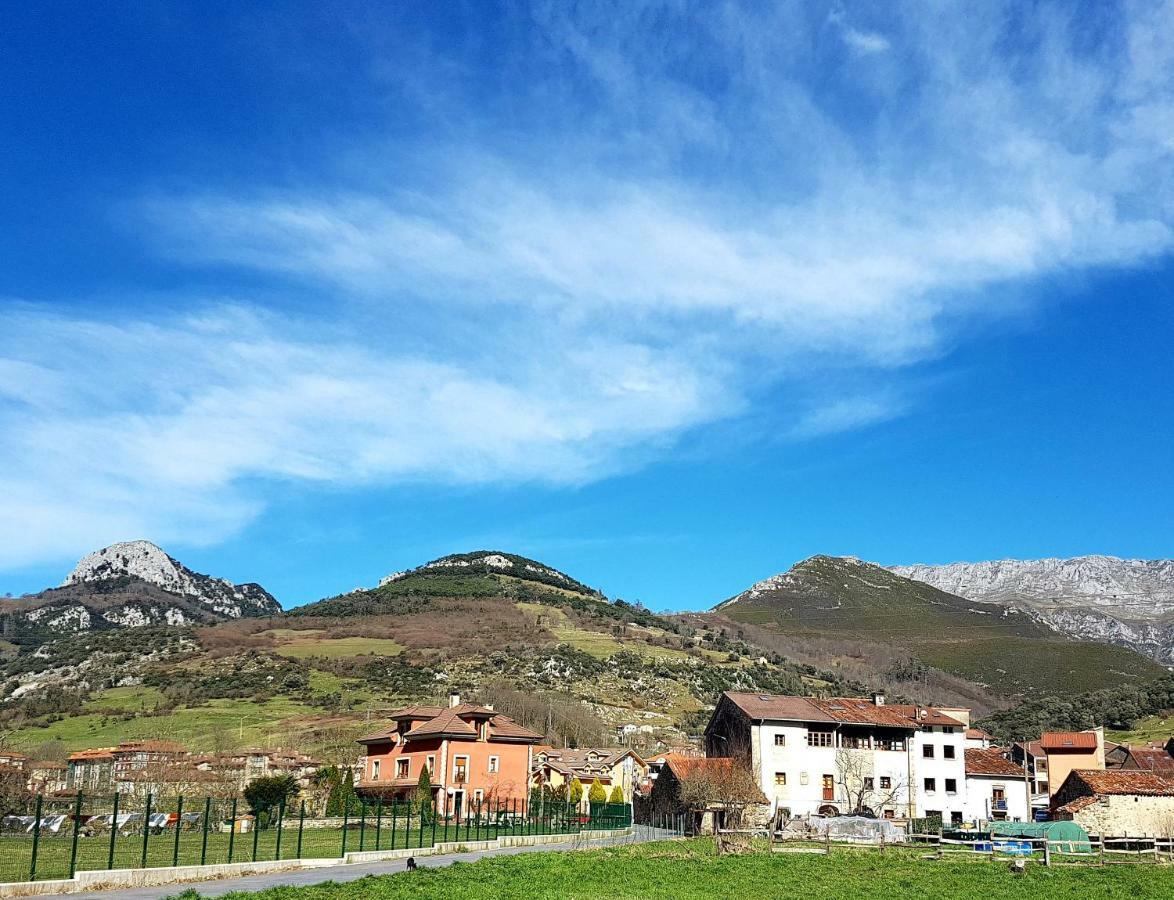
(424, 794)
(597, 794)
(576, 796)
(617, 795)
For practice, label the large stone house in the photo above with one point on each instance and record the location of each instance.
(834, 756)
(474, 756)
(1118, 803)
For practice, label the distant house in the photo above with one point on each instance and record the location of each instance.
(978, 739)
(1149, 759)
(47, 776)
(90, 770)
(610, 766)
(1031, 754)
(239, 767)
(996, 788)
(1118, 802)
(12, 760)
(1068, 751)
(139, 756)
(721, 787)
(473, 756)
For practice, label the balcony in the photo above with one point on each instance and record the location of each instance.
(999, 805)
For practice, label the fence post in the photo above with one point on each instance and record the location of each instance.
(77, 821)
(435, 816)
(1047, 852)
(378, 822)
(146, 831)
(280, 826)
(232, 829)
(178, 829)
(394, 816)
(420, 843)
(256, 833)
(346, 816)
(113, 834)
(301, 826)
(204, 838)
(36, 838)
(362, 824)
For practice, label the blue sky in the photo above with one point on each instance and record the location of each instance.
(668, 296)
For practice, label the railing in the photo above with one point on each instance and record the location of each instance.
(55, 837)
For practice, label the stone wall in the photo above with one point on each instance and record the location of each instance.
(1121, 816)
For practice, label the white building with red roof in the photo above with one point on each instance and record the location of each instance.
(843, 755)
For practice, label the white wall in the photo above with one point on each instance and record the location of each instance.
(979, 790)
(939, 768)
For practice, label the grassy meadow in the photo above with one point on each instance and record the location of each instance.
(691, 869)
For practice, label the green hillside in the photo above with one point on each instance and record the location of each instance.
(1006, 650)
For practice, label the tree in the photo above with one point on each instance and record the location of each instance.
(576, 792)
(617, 795)
(266, 794)
(597, 794)
(863, 792)
(424, 793)
(725, 786)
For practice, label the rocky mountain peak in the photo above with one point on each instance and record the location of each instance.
(140, 559)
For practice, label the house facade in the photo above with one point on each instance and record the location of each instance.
(620, 766)
(709, 810)
(996, 788)
(834, 756)
(1118, 802)
(472, 754)
(90, 770)
(1067, 751)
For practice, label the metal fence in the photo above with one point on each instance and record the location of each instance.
(54, 837)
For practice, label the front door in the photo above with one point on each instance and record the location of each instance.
(829, 787)
(457, 802)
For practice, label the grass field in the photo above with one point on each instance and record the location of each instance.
(1151, 728)
(337, 648)
(231, 722)
(690, 869)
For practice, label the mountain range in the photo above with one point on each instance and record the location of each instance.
(1100, 598)
(135, 644)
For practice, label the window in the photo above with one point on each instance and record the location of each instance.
(402, 768)
(951, 785)
(931, 785)
(869, 784)
(460, 769)
(886, 782)
(494, 765)
(890, 744)
(855, 741)
(948, 729)
(928, 729)
(431, 765)
(780, 740)
(780, 779)
(890, 814)
(821, 739)
(948, 751)
(375, 770)
(927, 751)
(803, 778)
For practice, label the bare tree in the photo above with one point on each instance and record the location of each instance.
(864, 792)
(725, 787)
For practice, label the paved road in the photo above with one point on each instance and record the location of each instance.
(342, 873)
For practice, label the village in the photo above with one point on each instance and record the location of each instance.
(785, 768)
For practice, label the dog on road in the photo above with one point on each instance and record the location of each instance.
(411, 864)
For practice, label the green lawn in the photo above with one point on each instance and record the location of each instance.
(683, 870)
(220, 722)
(1151, 728)
(337, 648)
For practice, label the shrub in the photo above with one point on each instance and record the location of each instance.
(597, 793)
(617, 795)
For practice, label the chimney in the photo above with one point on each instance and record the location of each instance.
(878, 698)
(454, 700)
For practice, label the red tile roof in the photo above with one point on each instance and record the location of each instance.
(1125, 782)
(98, 754)
(1078, 804)
(444, 721)
(839, 710)
(1149, 759)
(1051, 741)
(977, 734)
(990, 761)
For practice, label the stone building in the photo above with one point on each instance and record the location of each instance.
(1118, 803)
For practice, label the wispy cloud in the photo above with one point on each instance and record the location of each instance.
(659, 213)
